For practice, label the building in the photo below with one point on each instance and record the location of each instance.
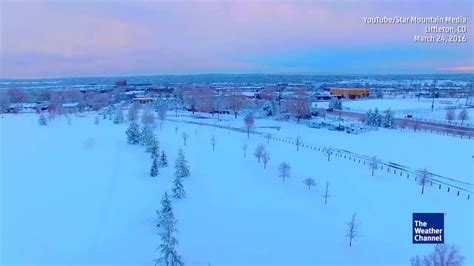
(143, 100)
(350, 93)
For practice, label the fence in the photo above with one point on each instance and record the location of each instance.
(451, 184)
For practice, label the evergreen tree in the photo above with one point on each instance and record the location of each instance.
(152, 144)
(178, 189)
(154, 149)
(335, 103)
(154, 168)
(163, 160)
(133, 133)
(377, 118)
(167, 223)
(181, 165)
(146, 136)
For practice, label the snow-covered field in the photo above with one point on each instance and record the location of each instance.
(409, 106)
(79, 194)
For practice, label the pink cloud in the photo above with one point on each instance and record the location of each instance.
(457, 68)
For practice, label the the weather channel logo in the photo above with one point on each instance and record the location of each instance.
(428, 228)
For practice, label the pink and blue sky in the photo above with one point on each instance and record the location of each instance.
(113, 38)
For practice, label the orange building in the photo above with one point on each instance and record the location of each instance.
(350, 93)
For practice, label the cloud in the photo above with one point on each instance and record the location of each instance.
(153, 37)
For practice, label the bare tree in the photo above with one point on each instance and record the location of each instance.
(423, 179)
(265, 158)
(235, 103)
(450, 115)
(442, 255)
(213, 142)
(326, 193)
(259, 152)
(249, 122)
(17, 95)
(463, 115)
(268, 137)
(329, 152)
(185, 137)
(244, 149)
(299, 104)
(298, 143)
(374, 164)
(284, 171)
(133, 111)
(148, 117)
(352, 229)
(4, 101)
(309, 182)
(162, 115)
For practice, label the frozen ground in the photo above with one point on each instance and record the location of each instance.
(78, 194)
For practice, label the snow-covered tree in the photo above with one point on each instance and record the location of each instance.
(153, 146)
(146, 136)
(118, 118)
(178, 188)
(335, 103)
(167, 223)
(154, 167)
(309, 182)
(133, 133)
(42, 120)
(96, 121)
(163, 160)
(450, 115)
(374, 118)
(298, 143)
(326, 193)
(389, 119)
(185, 137)
(249, 122)
(423, 179)
(352, 229)
(463, 115)
(259, 152)
(373, 164)
(244, 149)
(213, 142)
(267, 109)
(265, 159)
(442, 255)
(181, 165)
(284, 171)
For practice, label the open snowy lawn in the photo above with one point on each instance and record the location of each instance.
(78, 194)
(444, 155)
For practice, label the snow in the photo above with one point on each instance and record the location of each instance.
(80, 194)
